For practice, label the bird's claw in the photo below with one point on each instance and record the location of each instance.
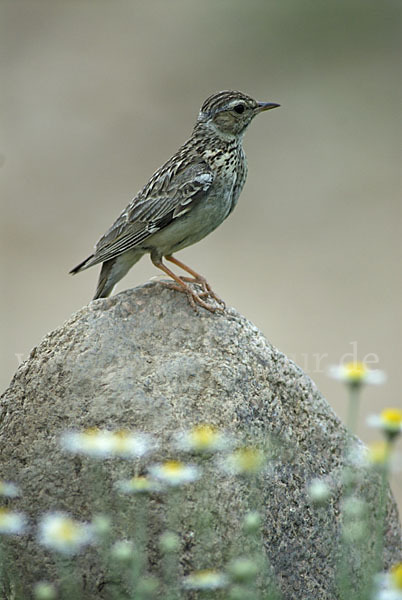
(206, 289)
(196, 298)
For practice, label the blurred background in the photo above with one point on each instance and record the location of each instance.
(97, 94)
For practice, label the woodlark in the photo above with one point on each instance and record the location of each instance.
(186, 199)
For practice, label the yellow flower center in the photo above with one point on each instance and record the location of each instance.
(396, 576)
(91, 431)
(173, 467)
(120, 440)
(378, 453)
(140, 483)
(67, 531)
(392, 416)
(122, 434)
(4, 514)
(204, 573)
(355, 371)
(90, 437)
(248, 459)
(203, 435)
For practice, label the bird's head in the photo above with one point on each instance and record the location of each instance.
(230, 112)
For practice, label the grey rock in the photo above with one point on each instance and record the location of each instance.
(143, 360)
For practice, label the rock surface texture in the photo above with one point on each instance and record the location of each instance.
(144, 360)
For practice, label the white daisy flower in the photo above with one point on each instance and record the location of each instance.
(389, 421)
(60, 532)
(396, 576)
(378, 453)
(356, 373)
(174, 472)
(9, 489)
(138, 485)
(207, 579)
(244, 461)
(12, 522)
(202, 438)
(127, 444)
(98, 443)
(389, 585)
(386, 593)
(92, 442)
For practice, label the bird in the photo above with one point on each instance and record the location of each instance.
(188, 197)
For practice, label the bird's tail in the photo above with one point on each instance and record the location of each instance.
(106, 282)
(104, 287)
(83, 265)
(113, 270)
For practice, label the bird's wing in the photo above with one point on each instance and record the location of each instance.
(167, 196)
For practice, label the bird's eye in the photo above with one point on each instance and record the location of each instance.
(239, 108)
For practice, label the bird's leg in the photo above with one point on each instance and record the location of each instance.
(197, 278)
(192, 295)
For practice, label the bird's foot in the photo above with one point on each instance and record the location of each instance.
(196, 298)
(206, 289)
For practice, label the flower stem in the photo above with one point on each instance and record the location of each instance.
(353, 408)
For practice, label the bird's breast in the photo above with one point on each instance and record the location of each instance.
(222, 160)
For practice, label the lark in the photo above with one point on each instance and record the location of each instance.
(184, 201)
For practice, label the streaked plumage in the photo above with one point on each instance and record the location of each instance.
(186, 199)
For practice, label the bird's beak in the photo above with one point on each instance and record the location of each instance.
(266, 106)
